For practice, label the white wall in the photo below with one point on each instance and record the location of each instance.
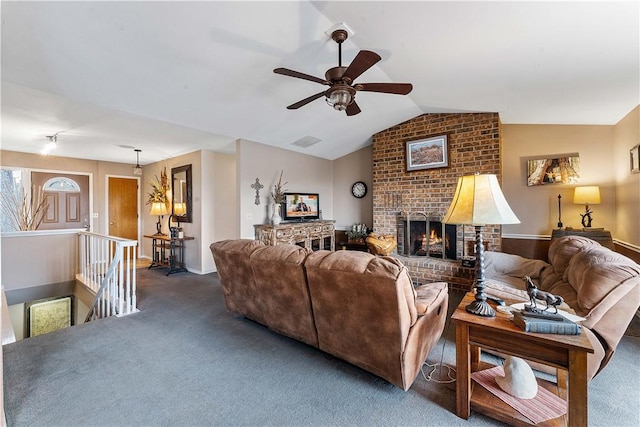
(348, 210)
(302, 172)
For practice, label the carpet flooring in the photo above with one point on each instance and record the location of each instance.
(183, 360)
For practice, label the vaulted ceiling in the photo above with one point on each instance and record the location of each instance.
(174, 77)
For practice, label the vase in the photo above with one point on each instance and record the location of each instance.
(275, 217)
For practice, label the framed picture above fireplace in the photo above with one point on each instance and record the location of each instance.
(429, 153)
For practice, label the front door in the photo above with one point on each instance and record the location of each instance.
(123, 207)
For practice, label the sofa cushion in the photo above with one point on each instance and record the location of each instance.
(563, 249)
(236, 278)
(512, 268)
(281, 283)
(595, 272)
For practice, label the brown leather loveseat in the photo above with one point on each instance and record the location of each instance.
(596, 283)
(353, 305)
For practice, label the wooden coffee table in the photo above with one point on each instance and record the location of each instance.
(567, 353)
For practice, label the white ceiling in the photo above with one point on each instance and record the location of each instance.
(174, 77)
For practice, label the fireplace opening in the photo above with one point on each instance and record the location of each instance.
(426, 237)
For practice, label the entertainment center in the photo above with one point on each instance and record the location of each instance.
(314, 235)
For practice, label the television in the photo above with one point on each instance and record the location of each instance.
(301, 206)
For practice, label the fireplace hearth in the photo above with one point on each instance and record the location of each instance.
(424, 235)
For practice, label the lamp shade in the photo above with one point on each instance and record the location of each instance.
(158, 208)
(589, 195)
(179, 209)
(479, 201)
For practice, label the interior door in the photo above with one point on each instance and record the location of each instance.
(123, 207)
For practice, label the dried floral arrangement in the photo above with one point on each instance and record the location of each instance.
(278, 193)
(160, 192)
(25, 212)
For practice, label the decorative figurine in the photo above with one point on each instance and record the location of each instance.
(536, 294)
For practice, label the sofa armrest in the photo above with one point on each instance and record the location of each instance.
(428, 296)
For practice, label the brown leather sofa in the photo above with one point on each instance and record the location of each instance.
(351, 304)
(596, 283)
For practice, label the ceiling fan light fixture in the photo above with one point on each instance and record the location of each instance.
(340, 99)
(137, 169)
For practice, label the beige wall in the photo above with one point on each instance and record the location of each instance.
(537, 206)
(626, 134)
(302, 172)
(19, 270)
(97, 169)
(219, 203)
(348, 169)
(193, 252)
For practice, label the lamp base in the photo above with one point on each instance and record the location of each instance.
(159, 228)
(481, 308)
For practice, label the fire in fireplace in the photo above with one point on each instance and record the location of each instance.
(427, 237)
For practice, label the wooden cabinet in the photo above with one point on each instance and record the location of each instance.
(314, 235)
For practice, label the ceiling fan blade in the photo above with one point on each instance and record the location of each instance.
(305, 101)
(299, 75)
(364, 60)
(395, 88)
(352, 109)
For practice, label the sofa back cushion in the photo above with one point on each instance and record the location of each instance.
(595, 272)
(281, 283)
(364, 307)
(236, 278)
(512, 268)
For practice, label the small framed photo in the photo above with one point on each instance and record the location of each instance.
(430, 153)
(634, 159)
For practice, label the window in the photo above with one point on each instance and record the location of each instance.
(60, 183)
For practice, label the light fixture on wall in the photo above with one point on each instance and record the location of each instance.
(587, 195)
(51, 144)
(137, 169)
(479, 201)
(160, 209)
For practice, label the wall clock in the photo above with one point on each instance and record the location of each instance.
(359, 189)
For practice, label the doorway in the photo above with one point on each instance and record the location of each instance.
(123, 207)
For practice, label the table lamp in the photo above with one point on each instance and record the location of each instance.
(586, 195)
(160, 209)
(479, 201)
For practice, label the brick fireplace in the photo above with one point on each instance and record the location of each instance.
(473, 146)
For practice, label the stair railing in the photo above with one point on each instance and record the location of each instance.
(108, 269)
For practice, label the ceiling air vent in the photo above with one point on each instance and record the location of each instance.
(305, 142)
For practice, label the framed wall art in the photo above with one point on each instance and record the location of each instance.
(430, 153)
(562, 169)
(48, 315)
(634, 159)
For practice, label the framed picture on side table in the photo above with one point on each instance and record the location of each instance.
(634, 159)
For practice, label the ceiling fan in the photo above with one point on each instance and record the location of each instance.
(342, 90)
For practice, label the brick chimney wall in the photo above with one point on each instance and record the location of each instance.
(473, 145)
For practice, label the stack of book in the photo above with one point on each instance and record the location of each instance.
(558, 324)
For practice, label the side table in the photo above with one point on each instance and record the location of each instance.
(168, 252)
(567, 353)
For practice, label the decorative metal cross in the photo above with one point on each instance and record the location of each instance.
(257, 186)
